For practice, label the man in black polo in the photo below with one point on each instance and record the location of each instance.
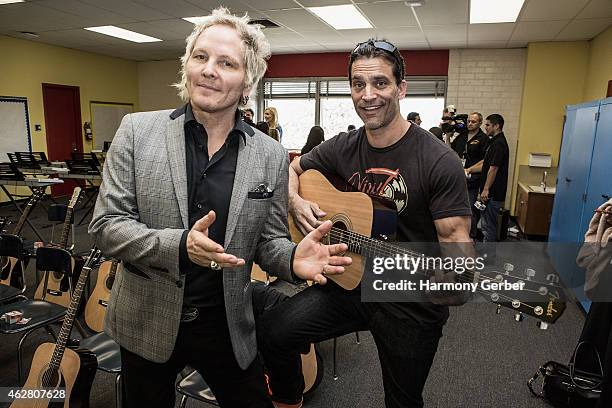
(473, 155)
(494, 181)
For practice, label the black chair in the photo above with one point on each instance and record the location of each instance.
(12, 246)
(335, 371)
(41, 312)
(194, 386)
(109, 358)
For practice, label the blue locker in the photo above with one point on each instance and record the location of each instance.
(584, 179)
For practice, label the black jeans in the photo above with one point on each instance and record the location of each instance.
(205, 345)
(473, 195)
(319, 313)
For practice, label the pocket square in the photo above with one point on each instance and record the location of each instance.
(260, 192)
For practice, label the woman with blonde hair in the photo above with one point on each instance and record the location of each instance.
(271, 118)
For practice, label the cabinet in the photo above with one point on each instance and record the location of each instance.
(533, 210)
(584, 182)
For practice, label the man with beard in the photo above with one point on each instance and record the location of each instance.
(387, 151)
(474, 151)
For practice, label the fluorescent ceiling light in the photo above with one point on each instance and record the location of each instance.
(494, 11)
(123, 34)
(344, 17)
(11, 1)
(195, 20)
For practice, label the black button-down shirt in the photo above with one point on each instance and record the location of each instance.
(209, 184)
(474, 152)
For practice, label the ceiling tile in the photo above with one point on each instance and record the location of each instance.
(486, 44)
(36, 18)
(438, 12)
(447, 44)
(271, 4)
(596, 9)
(88, 12)
(321, 3)
(546, 10)
(537, 31)
(584, 29)
(129, 9)
(401, 35)
(175, 25)
(297, 19)
(358, 35)
(174, 8)
(492, 32)
(385, 15)
(153, 31)
(455, 33)
(323, 36)
(517, 44)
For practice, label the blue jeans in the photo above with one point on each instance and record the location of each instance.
(490, 217)
(321, 312)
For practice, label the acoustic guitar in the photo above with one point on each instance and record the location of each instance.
(57, 285)
(95, 310)
(364, 226)
(9, 264)
(59, 369)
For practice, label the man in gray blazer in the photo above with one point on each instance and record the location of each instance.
(189, 200)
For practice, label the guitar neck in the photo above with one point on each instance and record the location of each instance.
(25, 214)
(62, 338)
(66, 228)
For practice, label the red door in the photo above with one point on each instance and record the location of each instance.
(62, 105)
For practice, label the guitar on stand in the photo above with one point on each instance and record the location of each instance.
(361, 224)
(95, 310)
(65, 374)
(9, 264)
(57, 284)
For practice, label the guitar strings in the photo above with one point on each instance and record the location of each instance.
(339, 234)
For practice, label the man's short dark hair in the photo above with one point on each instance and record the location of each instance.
(496, 119)
(412, 116)
(374, 48)
(351, 127)
(250, 110)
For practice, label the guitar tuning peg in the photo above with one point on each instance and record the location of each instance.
(529, 273)
(542, 325)
(508, 267)
(498, 309)
(552, 278)
(519, 317)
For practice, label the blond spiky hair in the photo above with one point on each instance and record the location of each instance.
(257, 47)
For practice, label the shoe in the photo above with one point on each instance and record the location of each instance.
(283, 405)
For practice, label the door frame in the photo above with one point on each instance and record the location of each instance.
(77, 116)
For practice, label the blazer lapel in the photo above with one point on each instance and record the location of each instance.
(241, 183)
(175, 145)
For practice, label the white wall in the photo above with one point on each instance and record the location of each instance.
(489, 81)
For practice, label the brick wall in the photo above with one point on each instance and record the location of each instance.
(489, 81)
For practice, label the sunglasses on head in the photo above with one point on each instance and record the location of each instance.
(378, 44)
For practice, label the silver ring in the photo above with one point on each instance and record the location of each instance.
(215, 266)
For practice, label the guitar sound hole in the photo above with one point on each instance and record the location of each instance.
(336, 236)
(57, 275)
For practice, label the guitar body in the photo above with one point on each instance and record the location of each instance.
(69, 369)
(312, 369)
(348, 211)
(58, 290)
(95, 310)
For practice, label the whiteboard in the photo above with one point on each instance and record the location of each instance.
(14, 126)
(105, 120)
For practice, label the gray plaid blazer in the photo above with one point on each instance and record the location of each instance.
(140, 216)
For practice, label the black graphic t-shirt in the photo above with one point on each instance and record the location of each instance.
(419, 173)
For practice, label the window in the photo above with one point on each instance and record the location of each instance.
(303, 103)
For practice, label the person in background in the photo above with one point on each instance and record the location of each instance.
(415, 118)
(494, 180)
(473, 154)
(271, 118)
(315, 138)
(437, 132)
(248, 115)
(274, 134)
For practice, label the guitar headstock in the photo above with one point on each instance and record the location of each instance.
(537, 294)
(76, 193)
(93, 258)
(37, 195)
